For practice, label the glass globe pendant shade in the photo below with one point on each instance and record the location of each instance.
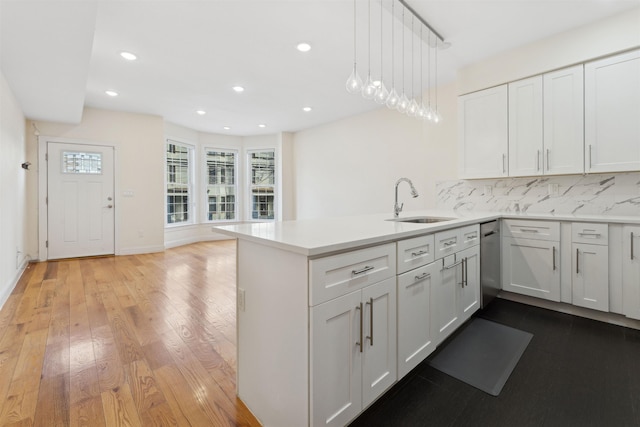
(392, 99)
(381, 94)
(369, 89)
(403, 104)
(354, 82)
(412, 109)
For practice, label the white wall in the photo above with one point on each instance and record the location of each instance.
(139, 150)
(13, 182)
(615, 34)
(350, 167)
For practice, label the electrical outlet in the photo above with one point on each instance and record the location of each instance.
(488, 190)
(241, 299)
(554, 189)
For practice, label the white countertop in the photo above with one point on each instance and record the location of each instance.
(315, 237)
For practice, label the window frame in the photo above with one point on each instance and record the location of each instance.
(191, 190)
(249, 185)
(236, 186)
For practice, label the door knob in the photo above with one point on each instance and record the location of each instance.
(109, 206)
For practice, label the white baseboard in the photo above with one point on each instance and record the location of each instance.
(6, 292)
(194, 239)
(140, 250)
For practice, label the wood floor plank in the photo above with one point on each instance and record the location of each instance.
(146, 339)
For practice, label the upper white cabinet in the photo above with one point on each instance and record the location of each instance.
(525, 127)
(546, 124)
(612, 113)
(563, 115)
(483, 134)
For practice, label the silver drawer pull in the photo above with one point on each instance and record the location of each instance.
(419, 253)
(447, 244)
(422, 276)
(590, 234)
(528, 230)
(632, 245)
(362, 270)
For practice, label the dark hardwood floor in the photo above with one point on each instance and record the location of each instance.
(575, 372)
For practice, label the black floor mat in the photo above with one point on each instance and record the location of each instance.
(483, 355)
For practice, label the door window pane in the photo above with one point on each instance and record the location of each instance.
(81, 162)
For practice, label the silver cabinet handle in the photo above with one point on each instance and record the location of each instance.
(370, 337)
(553, 257)
(419, 253)
(452, 265)
(590, 163)
(447, 244)
(538, 160)
(504, 168)
(464, 272)
(528, 230)
(590, 234)
(422, 276)
(632, 245)
(362, 270)
(547, 159)
(577, 261)
(359, 343)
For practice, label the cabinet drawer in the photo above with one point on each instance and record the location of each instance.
(592, 233)
(416, 252)
(337, 275)
(456, 239)
(528, 229)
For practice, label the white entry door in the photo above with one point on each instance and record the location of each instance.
(80, 196)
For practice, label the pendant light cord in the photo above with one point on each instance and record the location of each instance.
(354, 35)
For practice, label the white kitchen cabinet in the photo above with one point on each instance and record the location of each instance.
(525, 127)
(455, 295)
(612, 108)
(353, 352)
(546, 124)
(563, 118)
(590, 266)
(631, 271)
(483, 134)
(415, 342)
(530, 264)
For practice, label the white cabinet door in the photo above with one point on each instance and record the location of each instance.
(445, 316)
(612, 108)
(563, 121)
(631, 271)
(379, 363)
(525, 127)
(483, 134)
(469, 297)
(336, 355)
(414, 311)
(590, 281)
(530, 267)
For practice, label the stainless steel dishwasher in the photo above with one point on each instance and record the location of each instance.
(490, 283)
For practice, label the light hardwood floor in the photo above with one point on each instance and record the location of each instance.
(130, 340)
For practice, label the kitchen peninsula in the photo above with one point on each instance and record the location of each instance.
(321, 304)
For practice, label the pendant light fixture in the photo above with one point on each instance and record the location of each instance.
(393, 98)
(381, 92)
(421, 108)
(369, 88)
(354, 82)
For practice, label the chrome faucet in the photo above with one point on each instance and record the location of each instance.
(398, 208)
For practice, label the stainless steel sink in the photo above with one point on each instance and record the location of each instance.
(422, 219)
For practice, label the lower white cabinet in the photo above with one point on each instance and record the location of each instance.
(631, 271)
(415, 342)
(590, 265)
(456, 294)
(353, 352)
(530, 267)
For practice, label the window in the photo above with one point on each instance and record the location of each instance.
(179, 183)
(85, 163)
(221, 184)
(262, 169)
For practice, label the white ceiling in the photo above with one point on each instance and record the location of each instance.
(61, 55)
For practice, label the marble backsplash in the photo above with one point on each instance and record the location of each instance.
(598, 194)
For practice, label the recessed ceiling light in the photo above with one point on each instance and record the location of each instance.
(226, 128)
(128, 56)
(201, 112)
(262, 125)
(238, 89)
(303, 47)
(111, 92)
(306, 109)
